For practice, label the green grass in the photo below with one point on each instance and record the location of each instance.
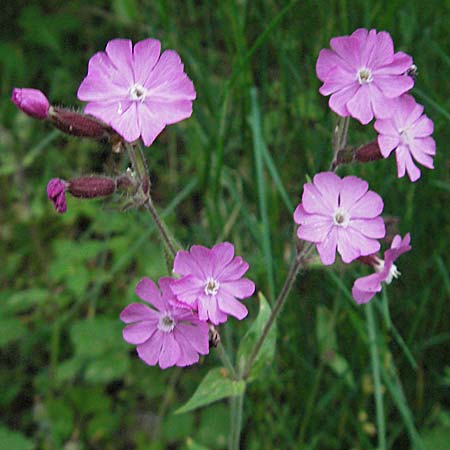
(233, 171)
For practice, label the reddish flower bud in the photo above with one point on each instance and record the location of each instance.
(92, 187)
(79, 124)
(31, 101)
(368, 152)
(56, 192)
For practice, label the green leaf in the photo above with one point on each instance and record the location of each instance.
(13, 440)
(216, 385)
(12, 329)
(267, 351)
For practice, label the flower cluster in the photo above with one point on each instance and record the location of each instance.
(366, 79)
(176, 331)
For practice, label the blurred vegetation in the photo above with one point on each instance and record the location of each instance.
(68, 379)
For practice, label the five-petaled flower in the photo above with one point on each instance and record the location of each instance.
(212, 282)
(363, 74)
(365, 288)
(340, 214)
(408, 132)
(165, 334)
(137, 91)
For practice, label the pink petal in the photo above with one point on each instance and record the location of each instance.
(365, 288)
(386, 126)
(352, 245)
(138, 333)
(368, 206)
(120, 53)
(372, 228)
(137, 312)
(315, 229)
(393, 86)
(326, 61)
(352, 189)
(234, 270)
(360, 106)
(419, 155)
(405, 162)
(387, 144)
(367, 44)
(361, 35)
(165, 284)
(229, 305)
(147, 290)
(329, 185)
(427, 145)
(196, 335)
(407, 112)
(170, 351)
(313, 202)
(348, 48)
(150, 123)
(202, 256)
(382, 106)
(327, 248)
(383, 50)
(242, 288)
(168, 80)
(185, 264)
(188, 355)
(401, 63)
(165, 111)
(338, 101)
(150, 350)
(207, 306)
(221, 256)
(188, 289)
(145, 56)
(423, 127)
(337, 79)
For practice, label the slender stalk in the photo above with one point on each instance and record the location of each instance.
(340, 135)
(374, 356)
(236, 410)
(225, 359)
(293, 270)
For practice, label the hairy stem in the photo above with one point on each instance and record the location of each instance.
(236, 410)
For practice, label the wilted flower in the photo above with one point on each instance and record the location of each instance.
(31, 101)
(408, 132)
(365, 288)
(340, 214)
(164, 333)
(56, 192)
(363, 74)
(137, 91)
(212, 282)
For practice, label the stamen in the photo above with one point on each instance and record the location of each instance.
(138, 93)
(211, 286)
(341, 217)
(364, 76)
(166, 323)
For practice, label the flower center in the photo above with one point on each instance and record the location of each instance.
(405, 137)
(393, 273)
(364, 76)
(166, 323)
(137, 92)
(341, 217)
(211, 286)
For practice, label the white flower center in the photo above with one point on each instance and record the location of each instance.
(137, 93)
(406, 137)
(341, 217)
(211, 286)
(364, 76)
(166, 323)
(393, 271)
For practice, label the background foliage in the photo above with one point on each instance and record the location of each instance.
(68, 379)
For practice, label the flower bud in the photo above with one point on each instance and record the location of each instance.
(92, 187)
(56, 192)
(78, 124)
(368, 152)
(31, 101)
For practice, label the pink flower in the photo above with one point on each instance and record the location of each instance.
(408, 132)
(137, 91)
(56, 192)
(164, 334)
(366, 287)
(212, 282)
(340, 213)
(31, 101)
(363, 74)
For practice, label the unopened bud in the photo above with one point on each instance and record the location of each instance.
(56, 192)
(92, 187)
(31, 101)
(78, 124)
(368, 152)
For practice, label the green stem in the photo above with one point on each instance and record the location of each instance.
(288, 283)
(340, 137)
(225, 359)
(236, 410)
(374, 356)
